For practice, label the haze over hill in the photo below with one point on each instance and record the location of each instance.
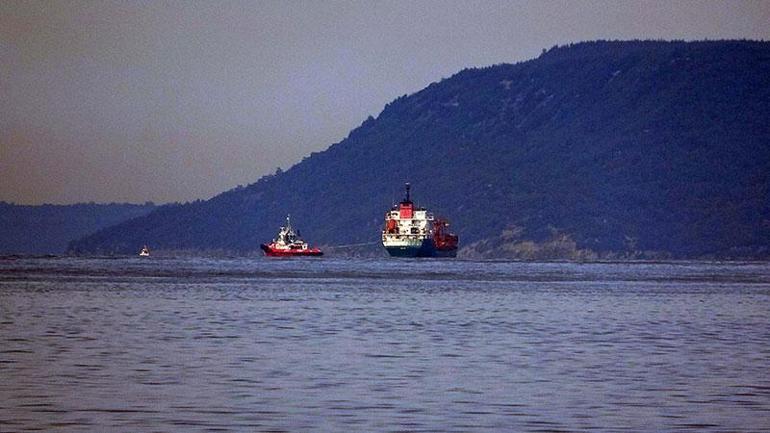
(47, 229)
(598, 149)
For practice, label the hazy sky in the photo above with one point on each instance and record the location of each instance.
(174, 101)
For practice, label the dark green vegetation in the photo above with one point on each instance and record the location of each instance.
(600, 149)
(48, 228)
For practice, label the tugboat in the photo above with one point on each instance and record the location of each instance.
(288, 244)
(414, 232)
(145, 252)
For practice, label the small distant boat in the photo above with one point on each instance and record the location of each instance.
(288, 243)
(145, 252)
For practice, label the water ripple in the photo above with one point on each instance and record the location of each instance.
(198, 344)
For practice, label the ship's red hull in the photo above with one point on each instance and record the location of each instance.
(271, 251)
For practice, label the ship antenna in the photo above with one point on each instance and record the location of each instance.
(408, 187)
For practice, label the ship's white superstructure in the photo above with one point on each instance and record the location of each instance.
(408, 227)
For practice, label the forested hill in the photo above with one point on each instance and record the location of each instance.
(608, 149)
(47, 229)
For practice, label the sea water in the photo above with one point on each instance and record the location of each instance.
(342, 345)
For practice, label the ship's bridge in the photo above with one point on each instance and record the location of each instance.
(416, 223)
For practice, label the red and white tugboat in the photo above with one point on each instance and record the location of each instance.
(289, 244)
(412, 231)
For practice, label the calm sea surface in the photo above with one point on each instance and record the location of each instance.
(332, 345)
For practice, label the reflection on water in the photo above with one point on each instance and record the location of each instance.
(382, 345)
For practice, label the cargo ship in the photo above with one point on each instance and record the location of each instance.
(412, 231)
(288, 243)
